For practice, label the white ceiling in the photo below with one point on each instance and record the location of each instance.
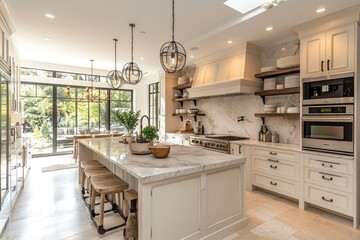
(84, 29)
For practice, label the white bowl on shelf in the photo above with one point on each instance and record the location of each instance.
(268, 69)
(293, 110)
(182, 111)
(290, 61)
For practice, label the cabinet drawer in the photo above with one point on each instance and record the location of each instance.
(339, 182)
(274, 154)
(329, 164)
(287, 188)
(281, 168)
(331, 199)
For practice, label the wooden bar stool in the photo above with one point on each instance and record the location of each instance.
(131, 229)
(89, 173)
(106, 185)
(90, 164)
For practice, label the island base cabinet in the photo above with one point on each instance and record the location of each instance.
(176, 210)
(206, 206)
(337, 201)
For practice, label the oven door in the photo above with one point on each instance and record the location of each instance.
(328, 134)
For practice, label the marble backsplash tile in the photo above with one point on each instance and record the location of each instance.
(221, 116)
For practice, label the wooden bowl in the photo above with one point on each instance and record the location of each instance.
(160, 151)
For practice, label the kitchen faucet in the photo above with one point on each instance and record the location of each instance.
(141, 119)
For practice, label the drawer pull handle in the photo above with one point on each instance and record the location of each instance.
(325, 178)
(327, 200)
(273, 183)
(271, 160)
(273, 153)
(324, 165)
(274, 167)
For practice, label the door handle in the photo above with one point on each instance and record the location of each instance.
(328, 64)
(274, 167)
(327, 200)
(322, 66)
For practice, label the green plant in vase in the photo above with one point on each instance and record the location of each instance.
(128, 119)
(148, 134)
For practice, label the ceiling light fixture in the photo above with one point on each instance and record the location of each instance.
(49, 15)
(320, 10)
(269, 28)
(115, 78)
(91, 93)
(131, 71)
(46, 38)
(172, 53)
(230, 42)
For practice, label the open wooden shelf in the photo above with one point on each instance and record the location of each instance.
(284, 91)
(182, 86)
(194, 115)
(283, 115)
(279, 72)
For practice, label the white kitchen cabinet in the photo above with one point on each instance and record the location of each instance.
(329, 182)
(276, 170)
(183, 139)
(245, 150)
(330, 52)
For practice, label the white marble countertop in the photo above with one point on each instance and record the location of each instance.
(282, 146)
(182, 160)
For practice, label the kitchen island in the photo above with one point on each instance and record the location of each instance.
(192, 194)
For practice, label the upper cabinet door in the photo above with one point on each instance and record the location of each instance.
(340, 49)
(313, 55)
(327, 53)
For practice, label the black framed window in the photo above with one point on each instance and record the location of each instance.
(52, 112)
(154, 104)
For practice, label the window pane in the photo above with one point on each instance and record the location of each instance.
(28, 72)
(44, 91)
(28, 90)
(44, 73)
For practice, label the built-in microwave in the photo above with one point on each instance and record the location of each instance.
(328, 91)
(328, 128)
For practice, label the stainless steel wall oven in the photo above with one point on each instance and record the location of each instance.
(328, 116)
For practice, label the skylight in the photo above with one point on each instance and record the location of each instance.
(245, 6)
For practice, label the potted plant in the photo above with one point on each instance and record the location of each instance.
(144, 140)
(129, 120)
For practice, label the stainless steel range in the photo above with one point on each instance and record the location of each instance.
(218, 143)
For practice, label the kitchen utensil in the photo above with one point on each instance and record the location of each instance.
(160, 151)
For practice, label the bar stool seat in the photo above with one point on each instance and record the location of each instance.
(105, 185)
(90, 172)
(90, 164)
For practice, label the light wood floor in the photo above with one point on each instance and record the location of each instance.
(50, 207)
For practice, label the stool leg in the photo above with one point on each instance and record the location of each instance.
(92, 203)
(82, 182)
(101, 229)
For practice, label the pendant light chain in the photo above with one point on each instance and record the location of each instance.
(173, 19)
(132, 42)
(115, 51)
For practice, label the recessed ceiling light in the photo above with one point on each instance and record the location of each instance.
(49, 15)
(46, 38)
(283, 48)
(141, 58)
(320, 10)
(229, 42)
(191, 56)
(269, 28)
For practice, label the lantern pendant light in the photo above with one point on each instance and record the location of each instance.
(91, 93)
(131, 71)
(172, 54)
(115, 78)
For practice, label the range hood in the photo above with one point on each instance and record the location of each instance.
(230, 74)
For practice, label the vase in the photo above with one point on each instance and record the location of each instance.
(140, 148)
